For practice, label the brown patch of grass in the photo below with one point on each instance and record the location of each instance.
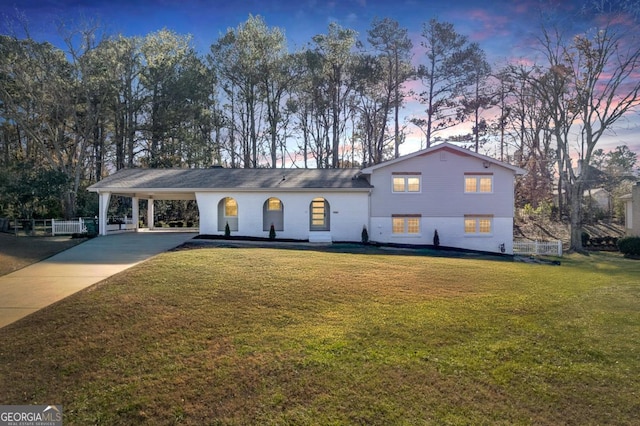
(264, 336)
(18, 252)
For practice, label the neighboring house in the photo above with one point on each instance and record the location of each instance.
(632, 211)
(601, 199)
(467, 197)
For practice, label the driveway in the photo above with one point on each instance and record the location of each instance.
(32, 288)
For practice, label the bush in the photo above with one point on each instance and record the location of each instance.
(436, 239)
(227, 230)
(272, 232)
(630, 246)
(364, 235)
(585, 238)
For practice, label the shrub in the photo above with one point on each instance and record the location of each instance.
(272, 232)
(585, 238)
(436, 239)
(227, 230)
(630, 246)
(364, 235)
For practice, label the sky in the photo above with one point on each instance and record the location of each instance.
(504, 29)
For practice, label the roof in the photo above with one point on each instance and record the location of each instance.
(189, 180)
(447, 147)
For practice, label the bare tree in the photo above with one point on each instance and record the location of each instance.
(591, 83)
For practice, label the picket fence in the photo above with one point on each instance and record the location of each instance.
(59, 227)
(548, 248)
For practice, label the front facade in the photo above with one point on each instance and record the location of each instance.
(468, 198)
(318, 215)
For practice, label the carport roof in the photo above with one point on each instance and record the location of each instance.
(189, 180)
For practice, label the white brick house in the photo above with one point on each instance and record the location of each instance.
(467, 197)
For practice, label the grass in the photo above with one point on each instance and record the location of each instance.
(266, 336)
(18, 252)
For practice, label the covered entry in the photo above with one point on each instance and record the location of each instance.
(136, 198)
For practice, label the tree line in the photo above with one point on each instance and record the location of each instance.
(72, 115)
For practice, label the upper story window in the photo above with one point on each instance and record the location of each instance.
(478, 183)
(407, 182)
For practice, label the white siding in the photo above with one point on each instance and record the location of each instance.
(450, 232)
(442, 202)
(442, 191)
(348, 213)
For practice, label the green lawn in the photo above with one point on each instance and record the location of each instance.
(266, 336)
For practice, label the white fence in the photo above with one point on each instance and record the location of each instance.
(549, 248)
(67, 227)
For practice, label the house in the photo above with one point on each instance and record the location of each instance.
(632, 211)
(467, 197)
(598, 198)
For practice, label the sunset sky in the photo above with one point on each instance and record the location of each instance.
(506, 30)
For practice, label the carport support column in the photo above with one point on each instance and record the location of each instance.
(105, 197)
(135, 213)
(150, 213)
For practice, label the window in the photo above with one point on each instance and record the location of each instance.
(274, 204)
(230, 207)
(405, 224)
(478, 225)
(406, 182)
(273, 214)
(228, 214)
(478, 184)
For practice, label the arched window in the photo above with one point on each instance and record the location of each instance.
(228, 213)
(273, 214)
(319, 215)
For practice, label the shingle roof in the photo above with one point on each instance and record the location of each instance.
(223, 178)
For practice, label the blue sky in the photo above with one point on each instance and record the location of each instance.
(504, 29)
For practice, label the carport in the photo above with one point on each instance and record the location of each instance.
(151, 197)
(137, 186)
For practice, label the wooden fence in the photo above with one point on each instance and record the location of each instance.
(548, 248)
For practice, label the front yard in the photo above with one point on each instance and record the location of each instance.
(267, 336)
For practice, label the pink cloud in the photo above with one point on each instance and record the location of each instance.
(491, 25)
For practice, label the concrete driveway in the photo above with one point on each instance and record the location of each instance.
(32, 288)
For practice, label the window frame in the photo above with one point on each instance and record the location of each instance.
(407, 220)
(314, 211)
(478, 177)
(478, 220)
(406, 185)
